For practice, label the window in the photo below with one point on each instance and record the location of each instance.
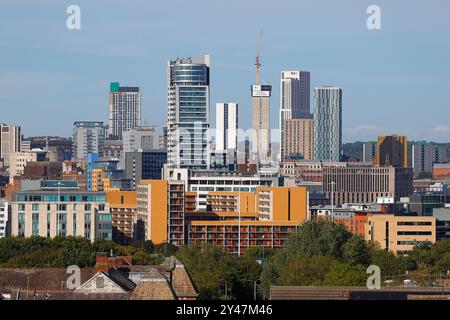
(100, 282)
(414, 233)
(416, 223)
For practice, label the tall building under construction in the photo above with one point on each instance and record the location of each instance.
(261, 114)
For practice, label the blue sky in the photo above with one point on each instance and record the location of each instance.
(394, 80)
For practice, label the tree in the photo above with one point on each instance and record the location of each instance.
(318, 238)
(247, 273)
(356, 251)
(167, 249)
(345, 274)
(211, 268)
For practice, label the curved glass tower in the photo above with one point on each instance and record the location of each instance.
(188, 113)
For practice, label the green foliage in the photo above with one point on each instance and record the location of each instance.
(17, 252)
(219, 275)
(318, 238)
(356, 251)
(211, 269)
(166, 249)
(324, 253)
(345, 274)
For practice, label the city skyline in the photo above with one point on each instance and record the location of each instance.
(405, 60)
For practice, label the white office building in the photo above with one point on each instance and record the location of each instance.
(226, 126)
(142, 138)
(88, 137)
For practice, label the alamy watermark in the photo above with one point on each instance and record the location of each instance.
(73, 21)
(374, 19)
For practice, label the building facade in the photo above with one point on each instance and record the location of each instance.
(146, 165)
(123, 207)
(142, 138)
(328, 123)
(226, 126)
(205, 181)
(59, 209)
(364, 184)
(124, 109)
(298, 140)
(441, 171)
(253, 234)
(88, 137)
(188, 113)
(112, 149)
(161, 211)
(400, 234)
(392, 151)
(5, 212)
(10, 139)
(294, 99)
(369, 151)
(424, 155)
(18, 161)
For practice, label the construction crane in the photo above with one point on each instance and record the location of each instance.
(258, 62)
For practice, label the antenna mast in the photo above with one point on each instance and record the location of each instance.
(258, 62)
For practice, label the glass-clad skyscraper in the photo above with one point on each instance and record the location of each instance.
(188, 113)
(328, 123)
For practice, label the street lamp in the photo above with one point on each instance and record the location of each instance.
(57, 208)
(332, 199)
(239, 217)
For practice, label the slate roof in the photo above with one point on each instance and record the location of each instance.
(39, 278)
(168, 281)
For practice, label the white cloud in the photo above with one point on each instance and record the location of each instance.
(441, 129)
(364, 129)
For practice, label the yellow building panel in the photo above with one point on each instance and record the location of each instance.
(158, 210)
(122, 199)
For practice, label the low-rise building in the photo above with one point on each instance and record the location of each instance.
(353, 220)
(442, 216)
(60, 209)
(400, 234)
(268, 234)
(264, 218)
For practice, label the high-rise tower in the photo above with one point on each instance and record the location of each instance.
(188, 113)
(124, 109)
(328, 123)
(294, 101)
